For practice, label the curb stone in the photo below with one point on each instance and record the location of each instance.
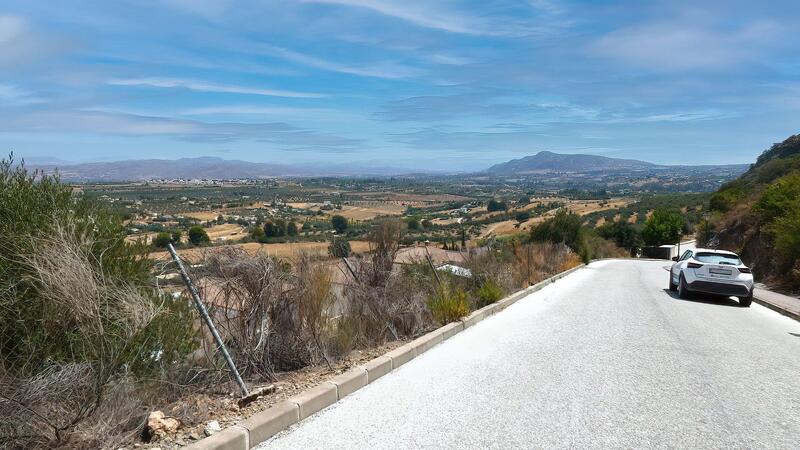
(231, 438)
(350, 381)
(778, 309)
(377, 367)
(315, 399)
(263, 425)
(402, 355)
(267, 423)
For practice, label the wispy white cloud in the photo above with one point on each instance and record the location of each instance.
(388, 70)
(428, 14)
(255, 110)
(687, 44)
(97, 122)
(11, 95)
(203, 86)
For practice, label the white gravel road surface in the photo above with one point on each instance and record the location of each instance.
(605, 358)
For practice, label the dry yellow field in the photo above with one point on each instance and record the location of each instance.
(147, 237)
(202, 215)
(226, 232)
(371, 212)
(284, 250)
(580, 207)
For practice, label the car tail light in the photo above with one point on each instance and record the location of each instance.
(744, 270)
(695, 265)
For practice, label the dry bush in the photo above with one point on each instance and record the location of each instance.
(536, 261)
(385, 302)
(273, 317)
(492, 265)
(108, 321)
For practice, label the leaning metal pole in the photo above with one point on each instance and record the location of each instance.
(204, 313)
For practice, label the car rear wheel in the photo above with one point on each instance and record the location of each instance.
(672, 286)
(683, 292)
(745, 302)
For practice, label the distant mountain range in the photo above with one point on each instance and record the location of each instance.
(218, 168)
(201, 168)
(548, 162)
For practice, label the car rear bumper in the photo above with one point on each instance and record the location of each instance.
(711, 287)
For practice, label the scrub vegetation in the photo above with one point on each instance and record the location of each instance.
(758, 215)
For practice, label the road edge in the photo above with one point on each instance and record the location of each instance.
(777, 308)
(261, 426)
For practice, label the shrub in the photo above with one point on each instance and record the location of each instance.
(786, 232)
(339, 248)
(198, 236)
(79, 321)
(488, 293)
(162, 239)
(447, 304)
(779, 198)
(522, 216)
(413, 224)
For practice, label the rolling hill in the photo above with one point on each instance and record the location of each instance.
(545, 161)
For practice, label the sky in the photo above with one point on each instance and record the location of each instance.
(439, 85)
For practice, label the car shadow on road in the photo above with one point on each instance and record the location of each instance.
(705, 298)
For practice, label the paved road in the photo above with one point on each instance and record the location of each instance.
(603, 358)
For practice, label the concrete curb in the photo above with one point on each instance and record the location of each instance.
(262, 426)
(777, 308)
(266, 424)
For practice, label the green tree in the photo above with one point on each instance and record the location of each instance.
(565, 227)
(339, 223)
(495, 205)
(624, 234)
(413, 224)
(663, 227)
(291, 229)
(275, 228)
(522, 216)
(198, 235)
(257, 234)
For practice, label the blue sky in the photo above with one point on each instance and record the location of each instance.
(439, 85)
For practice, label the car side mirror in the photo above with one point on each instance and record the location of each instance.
(675, 258)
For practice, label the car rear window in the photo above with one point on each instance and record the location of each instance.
(717, 258)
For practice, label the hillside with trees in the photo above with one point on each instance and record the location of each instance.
(758, 215)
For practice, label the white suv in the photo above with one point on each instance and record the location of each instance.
(712, 272)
